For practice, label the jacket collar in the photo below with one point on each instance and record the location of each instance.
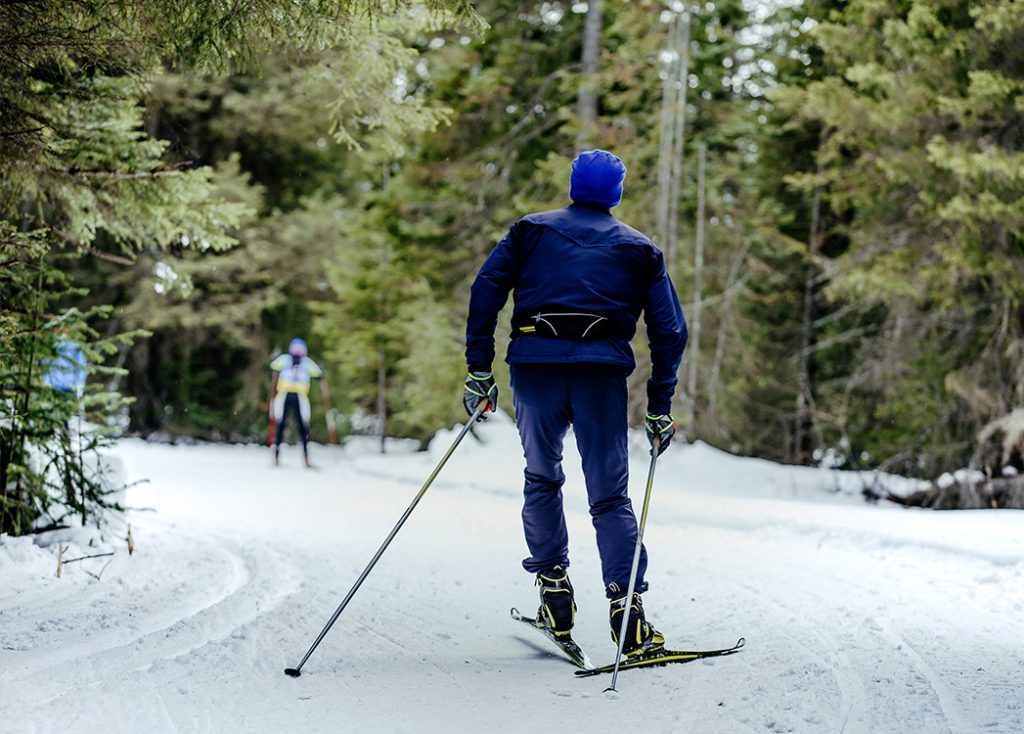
(591, 205)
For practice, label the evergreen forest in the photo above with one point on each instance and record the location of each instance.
(185, 186)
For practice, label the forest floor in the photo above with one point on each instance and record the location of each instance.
(859, 619)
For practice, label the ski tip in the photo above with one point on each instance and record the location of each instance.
(515, 613)
(740, 643)
(293, 672)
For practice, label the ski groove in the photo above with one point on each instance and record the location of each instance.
(256, 584)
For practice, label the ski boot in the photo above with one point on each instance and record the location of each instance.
(557, 606)
(641, 637)
(277, 456)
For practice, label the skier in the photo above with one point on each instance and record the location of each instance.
(67, 372)
(580, 280)
(289, 384)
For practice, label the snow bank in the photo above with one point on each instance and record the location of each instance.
(21, 561)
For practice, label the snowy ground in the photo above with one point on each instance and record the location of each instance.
(858, 619)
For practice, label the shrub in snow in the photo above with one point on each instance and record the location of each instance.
(1001, 442)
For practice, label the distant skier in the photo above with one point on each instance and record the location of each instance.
(580, 280)
(289, 385)
(67, 371)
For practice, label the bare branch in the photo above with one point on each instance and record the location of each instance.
(110, 257)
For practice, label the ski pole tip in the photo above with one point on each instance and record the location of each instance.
(293, 672)
(610, 689)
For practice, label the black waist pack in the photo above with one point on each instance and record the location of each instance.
(565, 325)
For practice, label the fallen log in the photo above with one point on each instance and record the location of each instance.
(983, 494)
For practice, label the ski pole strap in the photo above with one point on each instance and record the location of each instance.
(560, 323)
(480, 384)
(659, 425)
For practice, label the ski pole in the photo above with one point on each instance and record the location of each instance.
(296, 671)
(636, 564)
(332, 431)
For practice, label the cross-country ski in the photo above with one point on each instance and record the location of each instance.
(662, 657)
(567, 645)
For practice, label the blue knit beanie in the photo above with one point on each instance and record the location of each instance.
(597, 177)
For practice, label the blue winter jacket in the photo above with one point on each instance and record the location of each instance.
(580, 259)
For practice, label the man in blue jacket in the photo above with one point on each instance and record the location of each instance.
(580, 280)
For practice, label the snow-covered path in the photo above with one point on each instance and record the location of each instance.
(857, 619)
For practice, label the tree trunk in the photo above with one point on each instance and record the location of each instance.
(723, 327)
(382, 401)
(586, 107)
(698, 268)
(805, 395)
(668, 106)
(679, 137)
(146, 411)
(19, 433)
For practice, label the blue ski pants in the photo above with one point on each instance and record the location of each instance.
(591, 397)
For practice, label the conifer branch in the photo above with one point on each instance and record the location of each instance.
(26, 131)
(122, 175)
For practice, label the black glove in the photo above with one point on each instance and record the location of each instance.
(480, 386)
(661, 427)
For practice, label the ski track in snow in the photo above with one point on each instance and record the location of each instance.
(858, 620)
(221, 586)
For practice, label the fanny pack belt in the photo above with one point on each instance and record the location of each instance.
(565, 325)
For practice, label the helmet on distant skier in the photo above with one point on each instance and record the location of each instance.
(297, 348)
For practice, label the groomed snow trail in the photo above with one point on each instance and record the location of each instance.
(858, 619)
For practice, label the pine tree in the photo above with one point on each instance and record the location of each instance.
(922, 149)
(393, 346)
(82, 176)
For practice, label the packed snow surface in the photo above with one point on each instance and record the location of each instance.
(858, 619)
